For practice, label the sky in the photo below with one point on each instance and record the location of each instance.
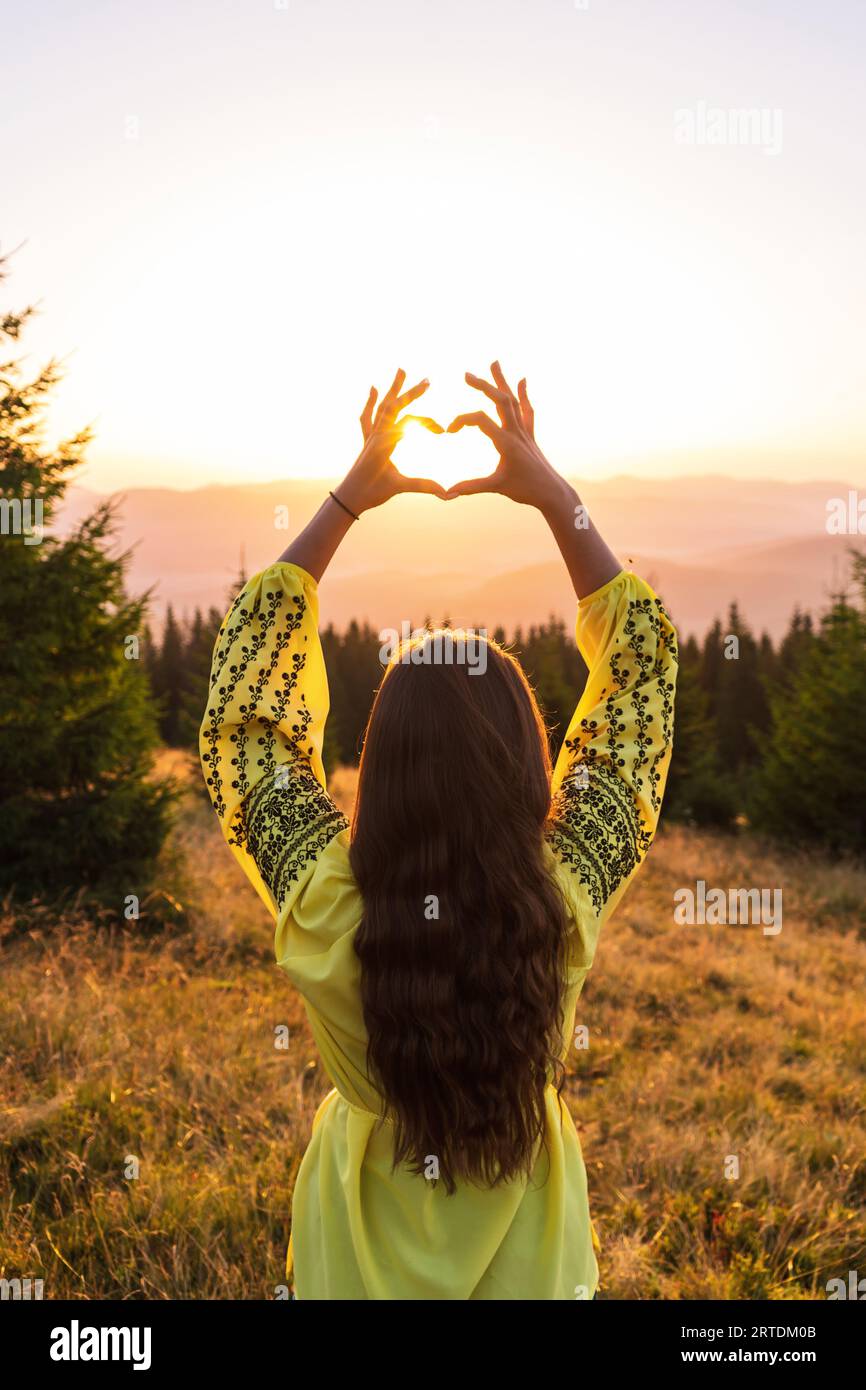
(236, 216)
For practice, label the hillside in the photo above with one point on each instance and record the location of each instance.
(704, 1042)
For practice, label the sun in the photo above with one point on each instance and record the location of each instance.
(446, 458)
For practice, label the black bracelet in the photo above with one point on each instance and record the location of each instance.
(343, 505)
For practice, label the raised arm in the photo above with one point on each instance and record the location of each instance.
(524, 475)
(371, 480)
(610, 775)
(261, 736)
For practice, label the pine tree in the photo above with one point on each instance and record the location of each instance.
(712, 664)
(356, 679)
(797, 640)
(809, 788)
(197, 659)
(168, 680)
(77, 802)
(731, 679)
(699, 790)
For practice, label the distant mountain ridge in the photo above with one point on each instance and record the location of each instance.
(702, 542)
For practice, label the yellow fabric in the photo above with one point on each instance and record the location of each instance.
(359, 1230)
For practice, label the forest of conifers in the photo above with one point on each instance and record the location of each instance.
(767, 733)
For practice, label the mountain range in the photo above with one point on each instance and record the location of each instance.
(702, 542)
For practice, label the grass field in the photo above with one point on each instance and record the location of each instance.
(122, 1042)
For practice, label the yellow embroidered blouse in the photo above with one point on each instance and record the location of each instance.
(359, 1230)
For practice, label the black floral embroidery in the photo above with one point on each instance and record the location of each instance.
(596, 825)
(285, 823)
(595, 829)
(259, 621)
(285, 818)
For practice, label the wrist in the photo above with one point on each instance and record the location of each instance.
(558, 499)
(352, 493)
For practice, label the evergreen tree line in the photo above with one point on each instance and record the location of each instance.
(766, 733)
(177, 665)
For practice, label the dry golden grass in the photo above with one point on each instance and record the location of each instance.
(716, 1041)
(119, 1041)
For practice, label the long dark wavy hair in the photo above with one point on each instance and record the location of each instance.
(462, 941)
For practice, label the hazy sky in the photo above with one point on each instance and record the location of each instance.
(239, 214)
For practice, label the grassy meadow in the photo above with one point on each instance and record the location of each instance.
(155, 1041)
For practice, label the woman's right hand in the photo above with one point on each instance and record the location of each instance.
(523, 473)
(373, 478)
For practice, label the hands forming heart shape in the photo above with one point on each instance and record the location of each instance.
(522, 472)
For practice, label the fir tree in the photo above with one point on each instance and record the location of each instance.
(169, 678)
(796, 642)
(809, 788)
(732, 681)
(195, 677)
(699, 790)
(77, 803)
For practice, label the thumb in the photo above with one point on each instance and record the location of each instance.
(422, 485)
(470, 486)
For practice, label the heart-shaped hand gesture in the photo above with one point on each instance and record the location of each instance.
(373, 479)
(523, 473)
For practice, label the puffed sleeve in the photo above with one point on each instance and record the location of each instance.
(261, 736)
(610, 775)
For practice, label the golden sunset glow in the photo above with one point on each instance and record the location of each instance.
(263, 233)
(444, 457)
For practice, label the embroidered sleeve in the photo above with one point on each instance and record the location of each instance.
(610, 775)
(261, 736)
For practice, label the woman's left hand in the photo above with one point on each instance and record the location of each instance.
(373, 478)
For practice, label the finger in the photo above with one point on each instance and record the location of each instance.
(367, 412)
(479, 384)
(421, 485)
(426, 420)
(388, 400)
(470, 486)
(499, 377)
(503, 401)
(397, 384)
(481, 420)
(526, 410)
(513, 406)
(412, 394)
